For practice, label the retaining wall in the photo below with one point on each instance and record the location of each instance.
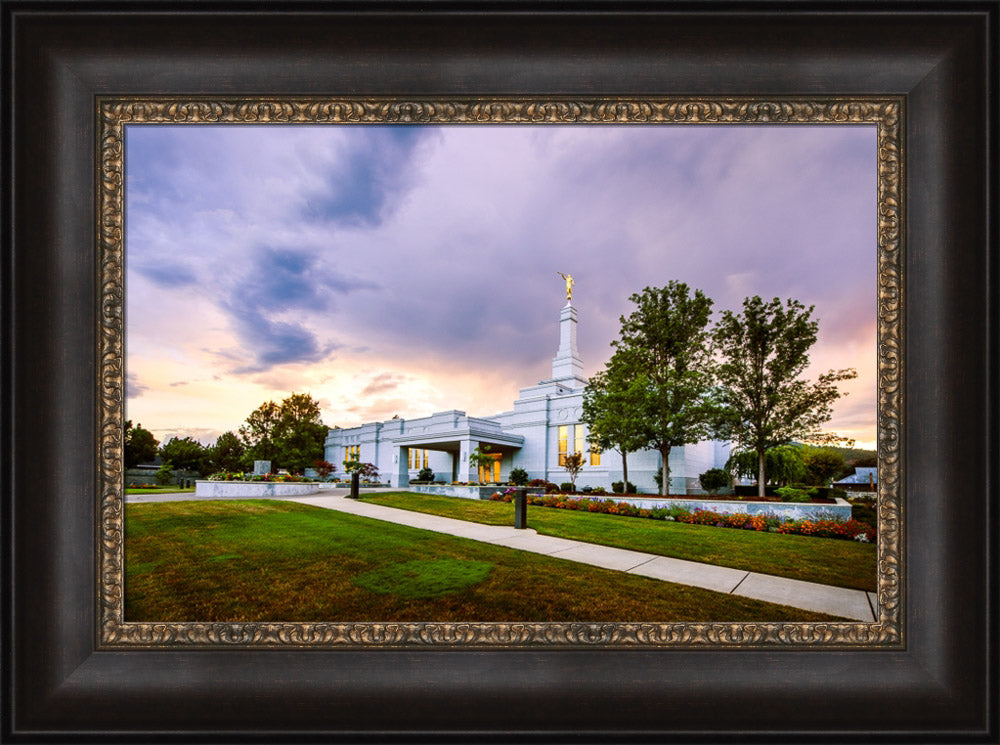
(254, 489)
(841, 509)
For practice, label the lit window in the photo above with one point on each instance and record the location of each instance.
(563, 444)
(353, 452)
(416, 457)
(595, 457)
(578, 440)
(492, 472)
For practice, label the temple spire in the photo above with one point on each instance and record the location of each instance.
(566, 365)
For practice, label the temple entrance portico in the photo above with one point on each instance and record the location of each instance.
(459, 444)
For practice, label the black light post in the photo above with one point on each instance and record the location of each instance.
(355, 484)
(520, 508)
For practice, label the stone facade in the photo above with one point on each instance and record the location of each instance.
(527, 436)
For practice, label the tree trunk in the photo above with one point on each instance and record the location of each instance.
(665, 481)
(760, 473)
(624, 472)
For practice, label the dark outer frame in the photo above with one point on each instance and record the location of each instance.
(58, 57)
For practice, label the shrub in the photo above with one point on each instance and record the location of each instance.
(573, 463)
(741, 490)
(324, 468)
(791, 494)
(518, 476)
(714, 479)
(658, 478)
(537, 482)
(165, 474)
(566, 487)
(426, 474)
(587, 489)
(619, 488)
(550, 487)
(598, 490)
(864, 513)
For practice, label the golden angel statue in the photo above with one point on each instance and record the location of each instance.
(569, 284)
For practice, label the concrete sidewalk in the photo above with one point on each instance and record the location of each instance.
(856, 605)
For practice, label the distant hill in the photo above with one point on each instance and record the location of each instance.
(858, 457)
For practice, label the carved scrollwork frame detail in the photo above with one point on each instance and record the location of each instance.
(113, 114)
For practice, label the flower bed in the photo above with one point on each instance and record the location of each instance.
(824, 526)
(276, 478)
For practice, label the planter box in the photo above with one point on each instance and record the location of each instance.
(796, 510)
(254, 489)
(841, 509)
(466, 492)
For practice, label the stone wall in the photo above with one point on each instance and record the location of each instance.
(254, 489)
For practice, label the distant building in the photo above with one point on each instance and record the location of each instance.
(536, 435)
(863, 479)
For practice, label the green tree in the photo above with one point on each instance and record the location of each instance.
(823, 465)
(300, 433)
(612, 410)
(366, 471)
(714, 479)
(259, 431)
(482, 458)
(185, 454)
(290, 434)
(140, 445)
(764, 349)
(228, 453)
(666, 351)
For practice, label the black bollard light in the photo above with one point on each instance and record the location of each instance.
(355, 484)
(520, 508)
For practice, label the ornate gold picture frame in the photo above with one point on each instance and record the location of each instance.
(114, 113)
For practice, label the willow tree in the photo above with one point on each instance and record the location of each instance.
(763, 352)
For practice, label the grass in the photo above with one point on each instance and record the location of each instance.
(157, 490)
(259, 560)
(824, 560)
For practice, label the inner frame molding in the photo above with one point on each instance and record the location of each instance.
(886, 113)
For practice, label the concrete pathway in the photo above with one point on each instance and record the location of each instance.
(856, 605)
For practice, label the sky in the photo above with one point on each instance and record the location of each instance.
(403, 269)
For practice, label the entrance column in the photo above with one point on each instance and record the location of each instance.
(402, 465)
(466, 471)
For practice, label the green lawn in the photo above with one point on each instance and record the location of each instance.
(158, 490)
(824, 560)
(259, 560)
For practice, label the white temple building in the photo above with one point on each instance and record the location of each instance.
(536, 434)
